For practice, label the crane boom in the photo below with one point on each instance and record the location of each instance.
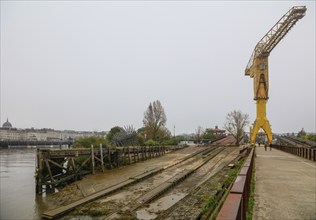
(275, 35)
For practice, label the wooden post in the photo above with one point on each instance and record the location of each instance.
(39, 171)
(129, 155)
(49, 171)
(74, 167)
(109, 157)
(133, 155)
(146, 153)
(101, 155)
(117, 157)
(92, 158)
(123, 156)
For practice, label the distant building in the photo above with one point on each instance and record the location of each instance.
(186, 143)
(7, 124)
(217, 131)
(7, 132)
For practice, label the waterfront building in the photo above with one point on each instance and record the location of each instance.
(7, 124)
(8, 132)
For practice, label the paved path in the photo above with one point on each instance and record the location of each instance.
(285, 186)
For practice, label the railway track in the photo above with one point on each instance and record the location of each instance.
(165, 207)
(137, 179)
(225, 141)
(301, 143)
(166, 187)
(172, 182)
(168, 182)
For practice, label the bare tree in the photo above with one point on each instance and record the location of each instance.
(154, 119)
(199, 133)
(235, 123)
(127, 136)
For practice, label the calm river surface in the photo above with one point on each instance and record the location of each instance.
(18, 199)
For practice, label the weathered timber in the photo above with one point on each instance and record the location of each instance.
(58, 167)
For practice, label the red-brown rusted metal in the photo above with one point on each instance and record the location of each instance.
(231, 208)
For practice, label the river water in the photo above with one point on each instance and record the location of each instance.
(18, 199)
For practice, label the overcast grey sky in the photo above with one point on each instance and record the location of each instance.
(93, 65)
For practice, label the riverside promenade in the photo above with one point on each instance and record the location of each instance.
(285, 186)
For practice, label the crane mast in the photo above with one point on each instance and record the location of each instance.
(257, 67)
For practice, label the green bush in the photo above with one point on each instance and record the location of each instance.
(171, 141)
(311, 137)
(151, 143)
(86, 142)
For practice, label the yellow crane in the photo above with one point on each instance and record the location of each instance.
(257, 68)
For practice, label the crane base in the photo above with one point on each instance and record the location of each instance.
(261, 122)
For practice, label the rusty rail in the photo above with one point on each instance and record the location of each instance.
(236, 204)
(305, 152)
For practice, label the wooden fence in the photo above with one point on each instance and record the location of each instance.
(58, 167)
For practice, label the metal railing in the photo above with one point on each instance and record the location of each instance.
(305, 152)
(236, 204)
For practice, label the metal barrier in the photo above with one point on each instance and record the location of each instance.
(305, 152)
(236, 204)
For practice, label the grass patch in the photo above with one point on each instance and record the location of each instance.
(221, 188)
(92, 209)
(252, 191)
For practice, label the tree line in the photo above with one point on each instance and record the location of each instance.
(154, 131)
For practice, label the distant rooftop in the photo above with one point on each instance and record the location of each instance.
(7, 124)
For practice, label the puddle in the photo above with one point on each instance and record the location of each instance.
(117, 197)
(145, 215)
(160, 205)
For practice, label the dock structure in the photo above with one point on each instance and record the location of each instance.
(58, 167)
(285, 185)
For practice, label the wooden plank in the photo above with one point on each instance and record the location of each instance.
(49, 170)
(58, 212)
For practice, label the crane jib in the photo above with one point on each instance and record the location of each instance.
(276, 34)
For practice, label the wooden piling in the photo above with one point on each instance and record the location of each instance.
(101, 155)
(92, 159)
(109, 157)
(137, 154)
(57, 167)
(39, 171)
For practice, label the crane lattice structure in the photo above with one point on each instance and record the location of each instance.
(257, 67)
